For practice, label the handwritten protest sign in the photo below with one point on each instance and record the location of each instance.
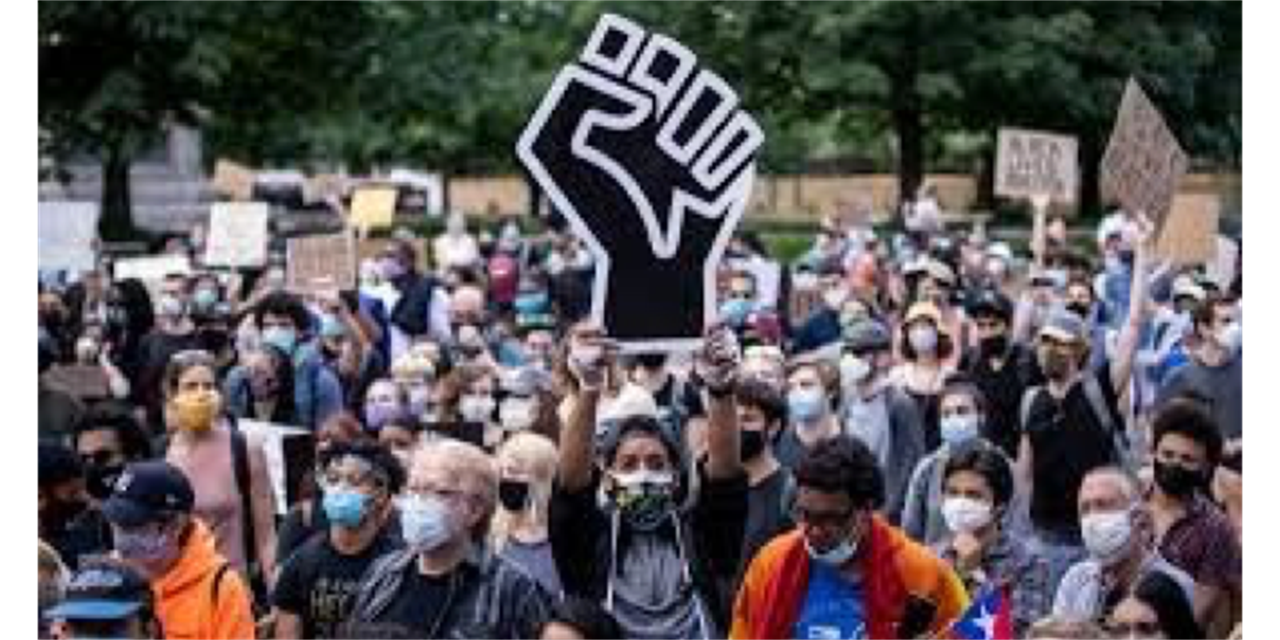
(67, 232)
(321, 263)
(232, 180)
(373, 207)
(1034, 163)
(325, 186)
(84, 381)
(237, 235)
(1143, 163)
(1190, 234)
(372, 248)
(151, 270)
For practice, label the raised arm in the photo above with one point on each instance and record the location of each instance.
(586, 363)
(1131, 333)
(718, 368)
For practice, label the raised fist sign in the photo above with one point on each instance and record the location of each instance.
(651, 160)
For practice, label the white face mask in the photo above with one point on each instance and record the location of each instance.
(426, 523)
(835, 298)
(835, 556)
(1106, 535)
(476, 408)
(853, 370)
(965, 515)
(958, 429)
(517, 414)
(923, 339)
(1229, 337)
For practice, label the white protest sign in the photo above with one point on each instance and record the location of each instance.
(273, 436)
(1035, 163)
(1143, 163)
(151, 269)
(237, 235)
(67, 232)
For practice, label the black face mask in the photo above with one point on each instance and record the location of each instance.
(1178, 481)
(751, 444)
(99, 480)
(1079, 309)
(58, 514)
(994, 345)
(513, 495)
(651, 360)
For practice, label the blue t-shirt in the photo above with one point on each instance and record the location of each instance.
(833, 607)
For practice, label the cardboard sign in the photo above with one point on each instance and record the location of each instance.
(67, 232)
(1190, 234)
(321, 263)
(373, 207)
(1143, 163)
(237, 235)
(651, 160)
(324, 187)
(232, 180)
(290, 454)
(1034, 163)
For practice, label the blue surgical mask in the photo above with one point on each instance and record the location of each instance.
(959, 429)
(425, 523)
(345, 507)
(806, 405)
(282, 338)
(735, 311)
(530, 303)
(205, 298)
(331, 326)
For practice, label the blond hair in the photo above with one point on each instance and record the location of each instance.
(536, 455)
(470, 470)
(1064, 628)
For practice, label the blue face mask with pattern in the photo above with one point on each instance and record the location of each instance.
(345, 507)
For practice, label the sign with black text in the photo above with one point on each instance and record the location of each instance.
(1144, 162)
(1034, 163)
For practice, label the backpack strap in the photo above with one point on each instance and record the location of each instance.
(240, 462)
(217, 583)
(1098, 404)
(1028, 400)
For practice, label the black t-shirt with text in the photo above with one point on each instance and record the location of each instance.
(319, 584)
(419, 604)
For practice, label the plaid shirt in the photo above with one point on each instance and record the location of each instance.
(1203, 544)
(1009, 561)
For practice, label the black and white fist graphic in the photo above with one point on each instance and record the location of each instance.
(651, 159)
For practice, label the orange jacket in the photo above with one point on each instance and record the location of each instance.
(185, 601)
(894, 569)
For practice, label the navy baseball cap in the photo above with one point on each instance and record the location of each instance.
(146, 492)
(104, 590)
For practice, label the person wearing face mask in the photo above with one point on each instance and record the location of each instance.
(739, 299)
(456, 248)
(822, 327)
(156, 534)
(418, 304)
(1119, 537)
(1154, 608)
(1073, 423)
(881, 415)
(266, 392)
(977, 488)
(1215, 370)
(963, 409)
(811, 414)
(527, 467)
(346, 346)
(68, 520)
(677, 397)
(925, 348)
(317, 586)
(762, 414)
(226, 468)
(105, 599)
(1192, 532)
(446, 582)
(282, 321)
(91, 376)
(385, 402)
(173, 332)
(106, 440)
(632, 531)
(844, 572)
(1001, 368)
(527, 403)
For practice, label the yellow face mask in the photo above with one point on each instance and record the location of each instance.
(196, 411)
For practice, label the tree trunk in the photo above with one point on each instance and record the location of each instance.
(908, 116)
(116, 223)
(446, 202)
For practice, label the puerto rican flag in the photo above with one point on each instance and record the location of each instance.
(990, 617)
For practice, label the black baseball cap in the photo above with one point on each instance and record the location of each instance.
(102, 590)
(146, 492)
(990, 303)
